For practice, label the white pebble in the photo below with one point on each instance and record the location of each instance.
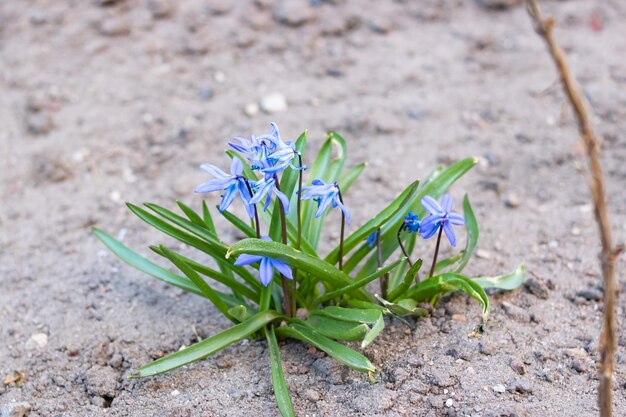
(449, 402)
(499, 388)
(37, 340)
(274, 103)
(175, 392)
(251, 109)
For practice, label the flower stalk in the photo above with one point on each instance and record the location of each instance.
(288, 288)
(432, 267)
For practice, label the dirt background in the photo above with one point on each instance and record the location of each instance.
(105, 103)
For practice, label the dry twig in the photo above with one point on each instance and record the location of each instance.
(609, 253)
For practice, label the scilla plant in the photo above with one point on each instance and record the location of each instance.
(276, 285)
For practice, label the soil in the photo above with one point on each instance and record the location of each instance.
(112, 101)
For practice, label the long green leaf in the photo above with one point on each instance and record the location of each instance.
(430, 289)
(238, 223)
(410, 276)
(236, 286)
(297, 259)
(337, 329)
(281, 393)
(504, 282)
(471, 225)
(197, 279)
(144, 265)
(341, 353)
(208, 346)
(357, 284)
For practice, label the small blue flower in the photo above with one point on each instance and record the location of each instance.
(372, 238)
(266, 269)
(231, 185)
(267, 153)
(411, 222)
(266, 188)
(324, 195)
(440, 216)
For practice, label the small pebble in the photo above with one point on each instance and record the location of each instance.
(274, 103)
(293, 13)
(483, 254)
(114, 27)
(499, 388)
(591, 294)
(449, 402)
(511, 200)
(251, 109)
(521, 386)
(175, 393)
(518, 366)
(37, 340)
(575, 231)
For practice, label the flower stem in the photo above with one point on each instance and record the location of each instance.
(299, 203)
(384, 279)
(406, 254)
(288, 289)
(432, 268)
(343, 230)
(256, 213)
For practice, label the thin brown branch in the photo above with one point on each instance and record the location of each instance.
(609, 254)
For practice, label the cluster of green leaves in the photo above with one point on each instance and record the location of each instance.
(335, 303)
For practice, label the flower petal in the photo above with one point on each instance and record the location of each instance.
(229, 195)
(431, 205)
(265, 186)
(345, 211)
(446, 203)
(456, 219)
(245, 259)
(283, 199)
(216, 184)
(323, 205)
(430, 221)
(447, 229)
(236, 166)
(266, 272)
(213, 170)
(283, 268)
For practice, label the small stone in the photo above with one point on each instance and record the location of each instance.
(381, 25)
(592, 294)
(37, 18)
(19, 409)
(435, 402)
(293, 13)
(515, 312)
(498, 4)
(575, 231)
(37, 341)
(205, 93)
(251, 109)
(39, 122)
(219, 7)
(518, 366)
(578, 366)
(553, 244)
(511, 200)
(274, 103)
(160, 9)
(311, 395)
(521, 386)
(459, 317)
(486, 348)
(175, 393)
(116, 360)
(449, 402)
(537, 288)
(499, 388)
(114, 27)
(483, 254)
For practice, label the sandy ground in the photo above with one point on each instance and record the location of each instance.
(103, 104)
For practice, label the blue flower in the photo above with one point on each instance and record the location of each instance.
(267, 187)
(266, 269)
(267, 153)
(324, 195)
(411, 222)
(231, 185)
(440, 216)
(372, 238)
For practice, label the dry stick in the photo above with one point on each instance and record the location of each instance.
(609, 253)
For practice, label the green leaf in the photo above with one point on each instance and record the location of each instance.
(208, 346)
(444, 263)
(431, 288)
(435, 187)
(297, 259)
(471, 225)
(337, 329)
(359, 235)
(351, 175)
(409, 278)
(201, 239)
(358, 284)
(281, 393)
(404, 307)
(144, 265)
(191, 215)
(341, 353)
(373, 316)
(234, 285)
(241, 312)
(197, 279)
(504, 282)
